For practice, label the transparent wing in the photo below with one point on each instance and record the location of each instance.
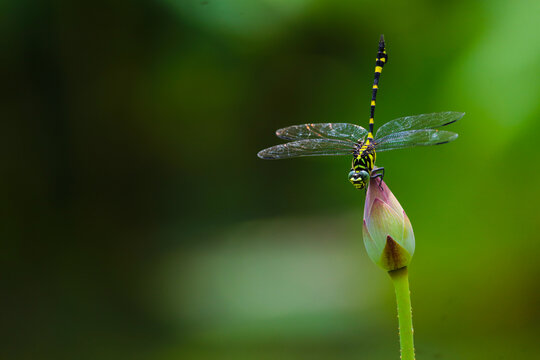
(312, 147)
(337, 131)
(412, 138)
(418, 122)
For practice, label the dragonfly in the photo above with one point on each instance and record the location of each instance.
(335, 139)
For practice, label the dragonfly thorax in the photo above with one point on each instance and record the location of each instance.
(362, 165)
(364, 158)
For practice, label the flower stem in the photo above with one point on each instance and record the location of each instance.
(400, 278)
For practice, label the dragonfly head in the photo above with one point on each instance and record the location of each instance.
(359, 178)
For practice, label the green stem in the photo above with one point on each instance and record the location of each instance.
(400, 278)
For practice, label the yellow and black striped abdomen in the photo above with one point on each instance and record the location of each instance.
(380, 61)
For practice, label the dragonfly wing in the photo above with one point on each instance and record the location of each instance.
(337, 131)
(418, 122)
(311, 147)
(412, 138)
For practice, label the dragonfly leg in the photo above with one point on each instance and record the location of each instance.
(378, 175)
(377, 170)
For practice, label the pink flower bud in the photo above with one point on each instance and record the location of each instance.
(388, 233)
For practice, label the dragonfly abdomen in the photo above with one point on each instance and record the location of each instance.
(380, 61)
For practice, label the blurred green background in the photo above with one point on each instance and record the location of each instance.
(138, 223)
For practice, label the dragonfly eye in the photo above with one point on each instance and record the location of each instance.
(359, 178)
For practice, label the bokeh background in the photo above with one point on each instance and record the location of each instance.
(138, 223)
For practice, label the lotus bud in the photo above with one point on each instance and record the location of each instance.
(388, 233)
